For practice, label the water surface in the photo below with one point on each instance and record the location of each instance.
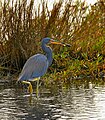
(77, 100)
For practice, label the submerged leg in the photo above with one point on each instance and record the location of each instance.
(30, 89)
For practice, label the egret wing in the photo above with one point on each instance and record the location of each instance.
(35, 66)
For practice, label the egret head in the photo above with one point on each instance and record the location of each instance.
(46, 40)
(49, 40)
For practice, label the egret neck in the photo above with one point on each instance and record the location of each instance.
(48, 52)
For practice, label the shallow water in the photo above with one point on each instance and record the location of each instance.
(78, 100)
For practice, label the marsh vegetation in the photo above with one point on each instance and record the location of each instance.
(23, 25)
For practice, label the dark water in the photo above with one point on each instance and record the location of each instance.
(77, 100)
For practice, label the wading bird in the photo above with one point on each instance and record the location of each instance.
(37, 65)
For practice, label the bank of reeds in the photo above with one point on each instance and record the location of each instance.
(23, 25)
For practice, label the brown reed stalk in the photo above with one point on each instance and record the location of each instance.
(23, 25)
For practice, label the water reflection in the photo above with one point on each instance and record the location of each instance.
(80, 100)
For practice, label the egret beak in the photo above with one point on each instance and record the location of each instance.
(57, 43)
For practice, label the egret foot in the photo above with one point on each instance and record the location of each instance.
(30, 89)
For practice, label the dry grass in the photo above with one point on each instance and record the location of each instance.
(22, 27)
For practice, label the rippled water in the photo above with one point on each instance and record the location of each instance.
(81, 100)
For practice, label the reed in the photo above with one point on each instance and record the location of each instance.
(23, 25)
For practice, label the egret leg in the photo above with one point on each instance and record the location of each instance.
(37, 89)
(35, 79)
(30, 89)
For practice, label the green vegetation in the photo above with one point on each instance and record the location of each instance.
(23, 25)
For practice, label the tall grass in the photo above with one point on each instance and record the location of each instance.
(23, 25)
